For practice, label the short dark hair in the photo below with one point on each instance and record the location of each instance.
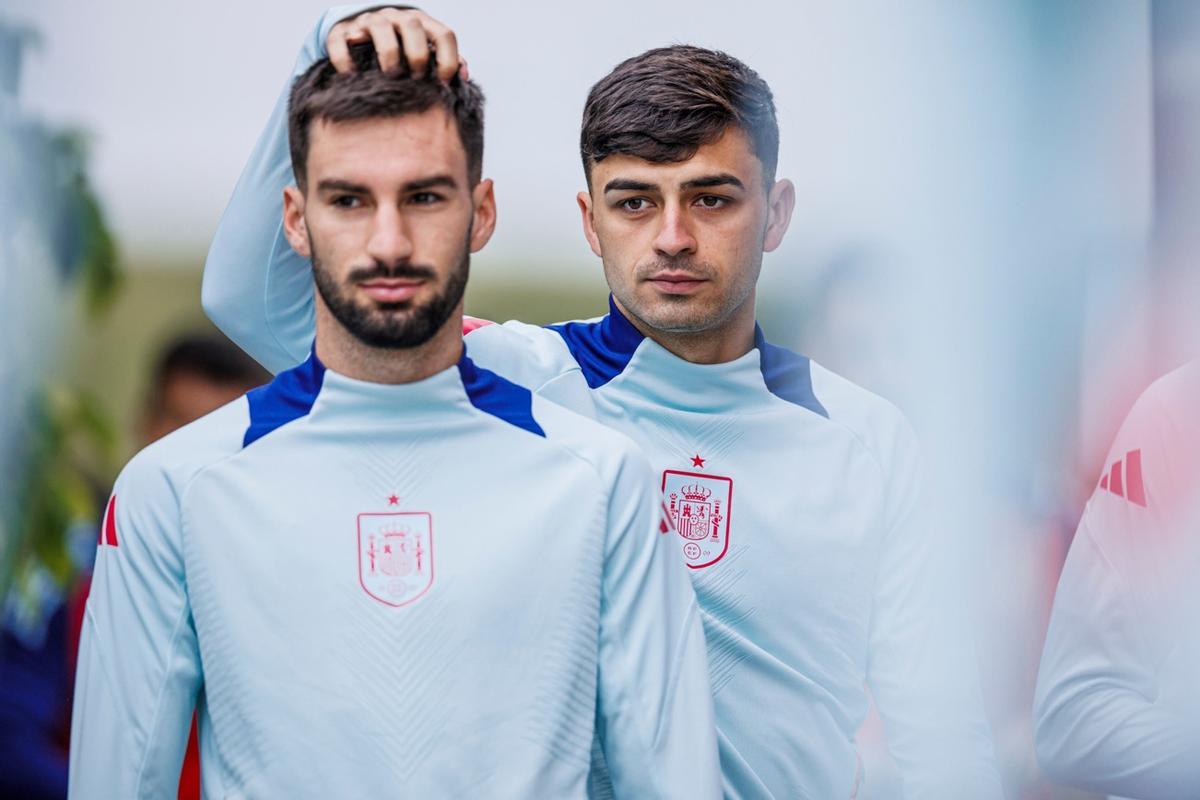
(666, 103)
(369, 93)
(208, 356)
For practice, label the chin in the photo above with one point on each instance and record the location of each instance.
(680, 318)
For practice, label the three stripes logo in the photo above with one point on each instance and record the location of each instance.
(108, 528)
(1124, 478)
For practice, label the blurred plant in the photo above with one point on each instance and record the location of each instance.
(87, 248)
(71, 441)
(63, 444)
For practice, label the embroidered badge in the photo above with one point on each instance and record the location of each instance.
(698, 506)
(395, 555)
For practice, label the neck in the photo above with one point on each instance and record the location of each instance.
(342, 352)
(727, 341)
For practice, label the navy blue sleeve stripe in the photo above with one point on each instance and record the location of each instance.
(788, 375)
(289, 397)
(494, 395)
(602, 349)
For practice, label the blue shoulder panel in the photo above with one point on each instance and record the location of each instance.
(787, 374)
(289, 397)
(494, 395)
(602, 349)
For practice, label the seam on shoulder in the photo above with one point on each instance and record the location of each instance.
(191, 479)
(186, 484)
(564, 446)
(567, 371)
(854, 433)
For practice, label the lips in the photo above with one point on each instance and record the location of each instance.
(390, 290)
(676, 282)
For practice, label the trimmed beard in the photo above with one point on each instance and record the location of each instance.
(386, 325)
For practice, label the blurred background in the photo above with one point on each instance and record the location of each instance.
(993, 231)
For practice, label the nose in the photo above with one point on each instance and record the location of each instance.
(674, 236)
(389, 242)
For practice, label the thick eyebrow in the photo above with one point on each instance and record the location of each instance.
(627, 185)
(336, 185)
(709, 181)
(339, 185)
(444, 181)
(703, 182)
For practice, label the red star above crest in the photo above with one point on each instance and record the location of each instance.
(697, 461)
(393, 500)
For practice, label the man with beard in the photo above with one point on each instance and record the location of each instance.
(350, 571)
(816, 577)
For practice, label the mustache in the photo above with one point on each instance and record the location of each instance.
(400, 270)
(699, 269)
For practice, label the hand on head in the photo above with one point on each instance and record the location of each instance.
(401, 37)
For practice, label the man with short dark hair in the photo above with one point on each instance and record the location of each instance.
(195, 374)
(817, 577)
(349, 572)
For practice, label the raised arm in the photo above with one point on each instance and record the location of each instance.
(655, 712)
(256, 288)
(139, 664)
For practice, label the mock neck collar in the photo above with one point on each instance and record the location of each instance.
(664, 379)
(439, 392)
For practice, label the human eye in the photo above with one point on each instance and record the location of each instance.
(345, 201)
(633, 204)
(426, 198)
(712, 201)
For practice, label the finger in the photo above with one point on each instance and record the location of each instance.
(416, 45)
(464, 72)
(387, 45)
(339, 50)
(357, 33)
(445, 45)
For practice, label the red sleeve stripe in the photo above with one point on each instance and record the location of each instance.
(110, 522)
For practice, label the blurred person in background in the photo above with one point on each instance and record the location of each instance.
(826, 579)
(1117, 708)
(193, 375)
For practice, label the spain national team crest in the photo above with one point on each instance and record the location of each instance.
(395, 555)
(698, 505)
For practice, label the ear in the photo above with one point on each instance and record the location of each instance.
(483, 197)
(781, 201)
(294, 226)
(589, 223)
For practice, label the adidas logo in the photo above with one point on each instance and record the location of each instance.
(1124, 478)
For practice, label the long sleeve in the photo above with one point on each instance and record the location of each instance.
(1101, 722)
(922, 666)
(256, 288)
(139, 667)
(1116, 708)
(655, 713)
